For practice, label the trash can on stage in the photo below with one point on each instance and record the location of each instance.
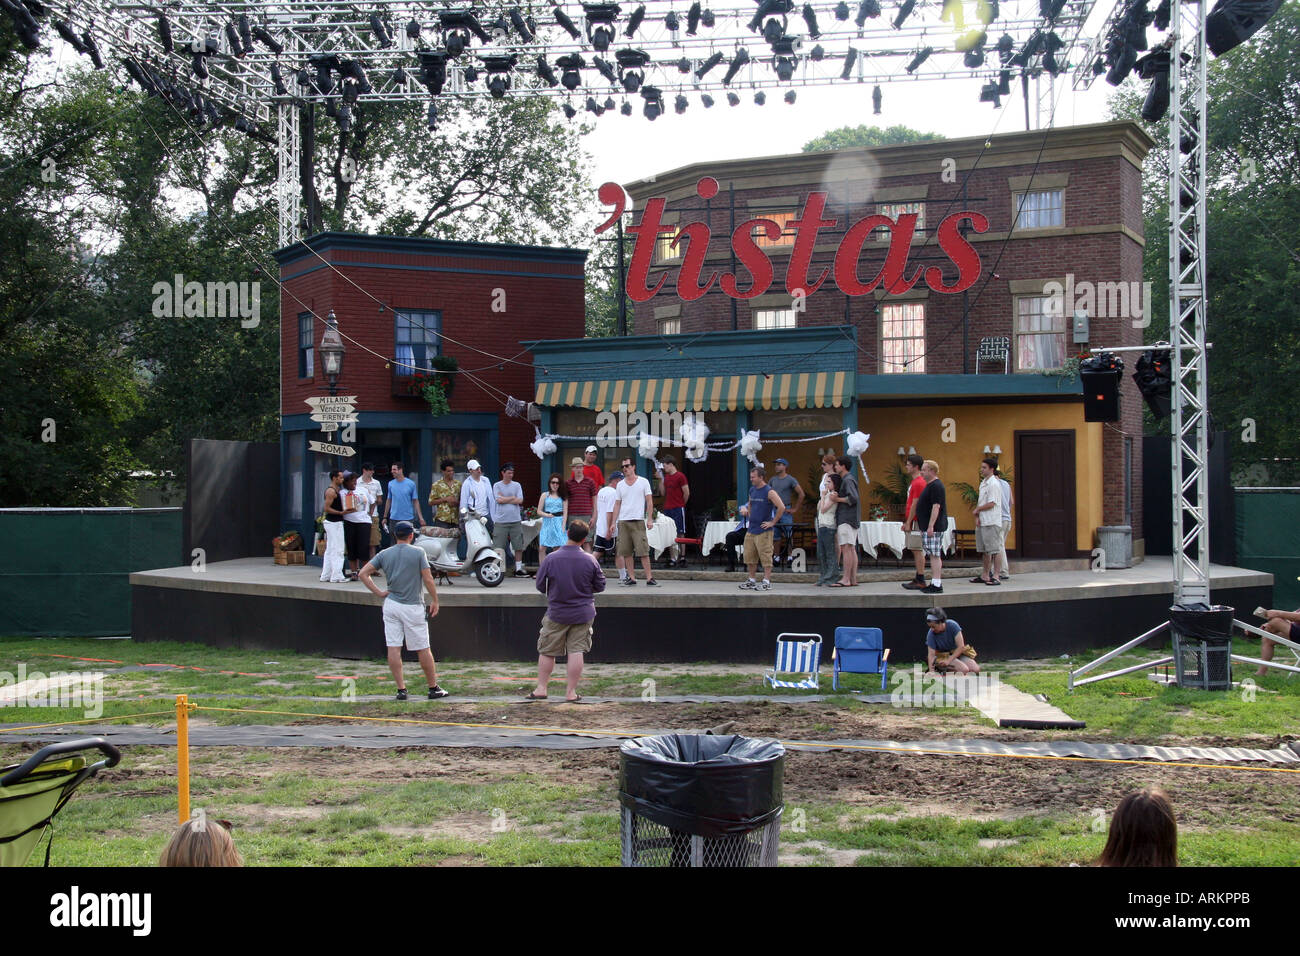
(699, 800)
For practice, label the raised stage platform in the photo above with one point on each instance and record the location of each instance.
(255, 603)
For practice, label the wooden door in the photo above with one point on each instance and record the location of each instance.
(1045, 508)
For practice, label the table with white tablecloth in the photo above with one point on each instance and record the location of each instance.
(872, 534)
(715, 533)
(663, 535)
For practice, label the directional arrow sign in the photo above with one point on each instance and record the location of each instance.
(334, 413)
(329, 426)
(332, 400)
(325, 448)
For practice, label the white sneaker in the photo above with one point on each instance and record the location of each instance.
(749, 586)
(763, 586)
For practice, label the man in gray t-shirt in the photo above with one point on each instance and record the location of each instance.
(406, 569)
(791, 494)
(507, 527)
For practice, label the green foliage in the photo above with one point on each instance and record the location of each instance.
(847, 137)
(437, 398)
(892, 491)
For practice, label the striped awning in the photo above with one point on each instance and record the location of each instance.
(705, 393)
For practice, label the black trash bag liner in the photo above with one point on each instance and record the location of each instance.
(705, 785)
(1197, 622)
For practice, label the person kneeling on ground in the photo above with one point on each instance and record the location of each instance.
(201, 842)
(405, 568)
(1283, 624)
(570, 578)
(946, 649)
(1143, 831)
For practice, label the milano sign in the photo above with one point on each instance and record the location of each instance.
(893, 275)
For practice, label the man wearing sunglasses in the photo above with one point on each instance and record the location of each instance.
(633, 507)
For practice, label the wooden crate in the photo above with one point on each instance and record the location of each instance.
(291, 557)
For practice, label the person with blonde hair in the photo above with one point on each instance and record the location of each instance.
(1143, 831)
(201, 842)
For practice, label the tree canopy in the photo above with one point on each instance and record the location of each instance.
(849, 136)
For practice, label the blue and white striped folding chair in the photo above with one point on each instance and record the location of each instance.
(797, 654)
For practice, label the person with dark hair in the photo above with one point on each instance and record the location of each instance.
(375, 492)
(444, 496)
(1143, 831)
(570, 578)
(402, 503)
(507, 519)
(356, 523)
(946, 649)
(632, 517)
(912, 465)
(553, 505)
(988, 522)
(848, 519)
(763, 511)
(335, 544)
(406, 569)
(791, 493)
(828, 560)
(677, 492)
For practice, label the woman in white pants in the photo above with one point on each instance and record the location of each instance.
(335, 547)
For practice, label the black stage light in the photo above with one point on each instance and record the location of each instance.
(593, 106)
(875, 100)
(609, 103)
(1050, 9)
(868, 9)
(92, 48)
(1004, 82)
(810, 18)
(563, 20)
(989, 94)
(199, 67)
(693, 18)
(850, 59)
(499, 67)
(707, 65)
(380, 32)
(605, 68)
(357, 73)
(546, 73)
(569, 66)
(706, 99)
(278, 80)
(784, 67)
(164, 33)
(345, 118)
(654, 103)
(921, 57)
(670, 22)
(1155, 67)
(1152, 373)
(470, 73)
(413, 29)
(773, 30)
(232, 40)
(1161, 19)
(520, 25)
(268, 41)
(1004, 47)
(974, 57)
(433, 70)
(1122, 66)
(733, 99)
(707, 18)
(626, 108)
(245, 33)
(433, 116)
(760, 98)
(631, 68)
(1235, 21)
(817, 53)
(904, 11)
(683, 65)
(841, 11)
(634, 20)
(399, 77)
(789, 97)
(680, 104)
(74, 41)
(737, 61)
(569, 111)
(600, 24)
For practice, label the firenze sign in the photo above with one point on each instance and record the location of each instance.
(892, 276)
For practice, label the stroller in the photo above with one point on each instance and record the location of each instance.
(33, 793)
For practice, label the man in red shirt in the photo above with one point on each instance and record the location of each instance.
(676, 493)
(582, 499)
(913, 468)
(591, 469)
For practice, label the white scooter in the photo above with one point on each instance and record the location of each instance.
(480, 558)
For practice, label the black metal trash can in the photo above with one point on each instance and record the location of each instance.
(1202, 645)
(698, 800)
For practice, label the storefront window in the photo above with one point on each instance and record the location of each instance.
(459, 446)
(785, 421)
(294, 440)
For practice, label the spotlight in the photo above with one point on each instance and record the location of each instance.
(817, 53)
(563, 20)
(769, 8)
(760, 98)
(1099, 66)
(693, 18)
(500, 30)
(164, 33)
(850, 59)
(499, 68)
(810, 18)
(635, 19)
(323, 64)
(707, 65)
(680, 104)
(875, 100)
(199, 67)
(232, 40)
(904, 11)
(921, 57)
(631, 68)
(74, 41)
(1005, 46)
(1004, 83)
(773, 30)
(683, 65)
(654, 103)
(784, 67)
(354, 71)
(707, 18)
(345, 118)
(609, 103)
(737, 61)
(670, 22)
(569, 111)
(1161, 18)
(268, 41)
(1122, 65)
(707, 100)
(546, 73)
(600, 24)
(570, 78)
(974, 58)
(733, 99)
(432, 120)
(867, 9)
(92, 49)
(626, 108)
(433, 70)
(1155, 67)
(1050, 9)
(606, 70)
(470, 73)
(521, 27)
(789, 97)
(245, 34)
(456, 26)
(841, 11)
(593, 106)
(413, 29)
(399, 77)
(989, 94)
(278, 80)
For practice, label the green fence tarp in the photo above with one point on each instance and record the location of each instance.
(1267, 541)
(65, 571)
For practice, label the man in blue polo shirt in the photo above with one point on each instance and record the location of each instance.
(403, 502)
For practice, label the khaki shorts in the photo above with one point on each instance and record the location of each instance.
(556, 639)
(374, 531)
(758, 549)
(846, 534)
(988, 538)
(632, 539)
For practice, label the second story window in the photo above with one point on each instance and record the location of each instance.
(782, 219)
(416, 340)
(306, 346)
(671, 326)
(774, 319)
(895, 209)
(902, 337)
(1040, 209)
(1040, 333)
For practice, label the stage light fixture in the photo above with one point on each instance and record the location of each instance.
(707, 65)
(875, 100)
(680, 104)
(432, 119)
(921, 57)
(605, 68)
(399, 77)
(345, 118)
(457, 26)
(74, 41)
(600, 24)
(609, 103)
(164, 33)
(760, 98)
(810, 18)
(773, 30)
(1233, 22)
(626, 108)
(92, 50)
(733, 99)
(546, 73)
(470, 73)
(1122, 65)
(1155, 67)
(498, 68)
(593, 106)
(737, 61)
(634, 20)
(268, 41)
(706, 100)
(974, 57)
(631, 68)
(683, 65)
(563, 20)
(790, 97)
(904, 11)
(693, 18)
(989, 94)
(1160, 20)
(521, 25)
(850, 58)
(1004, 47)
(433, 70)
(278, 81)
(232, 40)
(413, 29)
(671, 23)
(357, 73)
(869, 10)
(654, 103)
(817, 53)
(707, 18)
(841, 11)
(569, 111)
(198, 66)
(1004, 82)
(784, 67)
(569, 66)
(1050, 9)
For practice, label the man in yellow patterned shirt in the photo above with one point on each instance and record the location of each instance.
(445, 497)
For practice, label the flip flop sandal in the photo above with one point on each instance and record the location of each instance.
(575, 700)
(533, 696)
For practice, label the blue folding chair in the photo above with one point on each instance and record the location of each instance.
(859, 650)
(797, 654)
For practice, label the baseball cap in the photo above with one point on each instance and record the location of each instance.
(782, 461)
(576, 462)
(403, 528)
(591, 448)
(472, 465)
(348, 474)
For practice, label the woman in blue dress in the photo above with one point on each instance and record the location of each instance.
(554, 505)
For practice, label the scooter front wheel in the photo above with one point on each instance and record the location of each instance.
(490, 573)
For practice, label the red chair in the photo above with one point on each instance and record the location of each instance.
(700, 523)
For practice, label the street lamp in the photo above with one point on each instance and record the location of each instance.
(331, 350)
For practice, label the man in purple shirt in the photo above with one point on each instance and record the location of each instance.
(570, 578)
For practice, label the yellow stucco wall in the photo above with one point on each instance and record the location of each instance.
(970, 428)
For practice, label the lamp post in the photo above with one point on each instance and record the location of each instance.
(331, 350)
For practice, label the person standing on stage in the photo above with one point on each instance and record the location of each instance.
(763, 511)
(508, 527)
(912, 465)
(335, 546)
(476, 492)
(676, 493)
(1008, 503)
(591, 469)
(848, 518)
(988, 522)
(632, 517)
(553, 508)
(444, 496)
(402, 503)
(406, 568)
(570, 578)
(605, 530)
(791, 492)
(356, 523)
(375, 492)
(582, 499)
(932, 518)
